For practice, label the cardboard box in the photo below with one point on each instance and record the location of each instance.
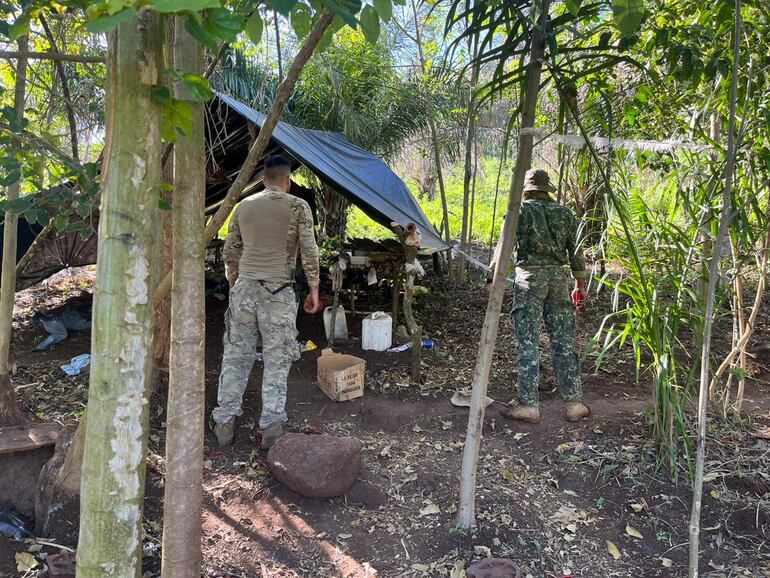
(340, 376)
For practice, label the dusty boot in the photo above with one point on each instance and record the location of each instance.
(577, 410)
(224, 432)
(271, 434)
(527, 413)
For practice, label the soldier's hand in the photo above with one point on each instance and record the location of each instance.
(312, 302)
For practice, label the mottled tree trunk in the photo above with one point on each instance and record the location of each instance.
(10, 411)
(466, 515)
(186, 389)
(113, 474)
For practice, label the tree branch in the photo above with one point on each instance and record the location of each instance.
(58, 56)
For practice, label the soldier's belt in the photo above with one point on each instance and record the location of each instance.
(279, 289)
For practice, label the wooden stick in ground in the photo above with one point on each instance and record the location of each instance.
(409, 237)
(257, 150)
(10, 411)
(724, 224)
(466, 515)
(182, 505)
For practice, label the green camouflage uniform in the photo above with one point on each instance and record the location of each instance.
(266, 232)
(547, 235)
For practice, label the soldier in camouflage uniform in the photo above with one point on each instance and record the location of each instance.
(266, 232)
(546, 244)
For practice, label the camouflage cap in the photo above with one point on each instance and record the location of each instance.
(538, 180)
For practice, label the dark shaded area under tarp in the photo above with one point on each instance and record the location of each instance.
(231, 128)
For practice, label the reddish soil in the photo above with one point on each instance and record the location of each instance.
(550, 496)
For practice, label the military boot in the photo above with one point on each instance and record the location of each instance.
(577, 410)
(271, 434)
(526, 413)
(224, 432)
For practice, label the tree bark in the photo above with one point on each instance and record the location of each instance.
(466, 516)
(113, 474)
(10, 411)
(256, 151)
(182, 508)
(278, 45)
(724, 223)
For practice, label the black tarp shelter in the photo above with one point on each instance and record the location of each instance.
(231, 128)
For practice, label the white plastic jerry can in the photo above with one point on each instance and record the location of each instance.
(340, 323)
(377, 332)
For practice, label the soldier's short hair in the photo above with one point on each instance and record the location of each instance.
(276, 167)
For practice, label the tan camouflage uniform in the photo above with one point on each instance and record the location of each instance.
(266, 232)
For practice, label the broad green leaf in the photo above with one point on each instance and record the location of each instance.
(161, 94)
(284, 6)
(345, 9)
(199, 87)
(301, 21)
(19, 28)
(10, 177)
(61, 221)
(199, 33)
(573, 6)
(106, 23)
(223, 24)
(43, 217)
(628, 15)
(254, 27)
(184, 5)
(385, 9)
(370, 24)
(19, 205)
(177, 119)
(399, 2)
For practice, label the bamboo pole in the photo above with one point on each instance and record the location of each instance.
(182, 504)
(724, 223)
(466, 516)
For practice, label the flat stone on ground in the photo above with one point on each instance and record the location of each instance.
(315, 466)
(494, 568)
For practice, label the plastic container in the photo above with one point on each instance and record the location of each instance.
(377, 332)
(340, 323)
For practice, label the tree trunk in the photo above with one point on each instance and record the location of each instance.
(335, 217)
(466, 516)
(182, 504)
(113, 474)
(278, 45)
(470, 139)
(434, 139)
(724, 223)
(409, 237)
(257, 150)
(10, 411)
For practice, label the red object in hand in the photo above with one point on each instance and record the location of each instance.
(578, 297)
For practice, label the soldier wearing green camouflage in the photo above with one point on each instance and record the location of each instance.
(266, 232)
(546, 245)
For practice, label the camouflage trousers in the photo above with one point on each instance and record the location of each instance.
(543, 295)
(256, 312)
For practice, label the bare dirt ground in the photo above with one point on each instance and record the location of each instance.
(589, 497)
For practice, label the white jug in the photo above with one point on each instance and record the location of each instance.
(377, 332)
(340, 323)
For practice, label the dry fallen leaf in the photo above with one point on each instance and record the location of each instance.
(520, 435)
(667, 562)
(633, 532)
(561, 448)
(458, 570)
(420, 567)
(430, 510)
(482, 551)
(25, 562)
(613, 550)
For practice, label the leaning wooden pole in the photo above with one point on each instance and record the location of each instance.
(10, 412)
(257, 150)
(182, 504)
(113, 473)
(466, 516)
(722, 232)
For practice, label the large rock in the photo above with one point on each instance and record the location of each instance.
(315, 466)
(494, 568)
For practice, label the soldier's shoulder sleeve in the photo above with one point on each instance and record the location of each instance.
(233, 248)
(307, 245)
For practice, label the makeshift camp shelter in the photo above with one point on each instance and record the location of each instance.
(231, 128)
